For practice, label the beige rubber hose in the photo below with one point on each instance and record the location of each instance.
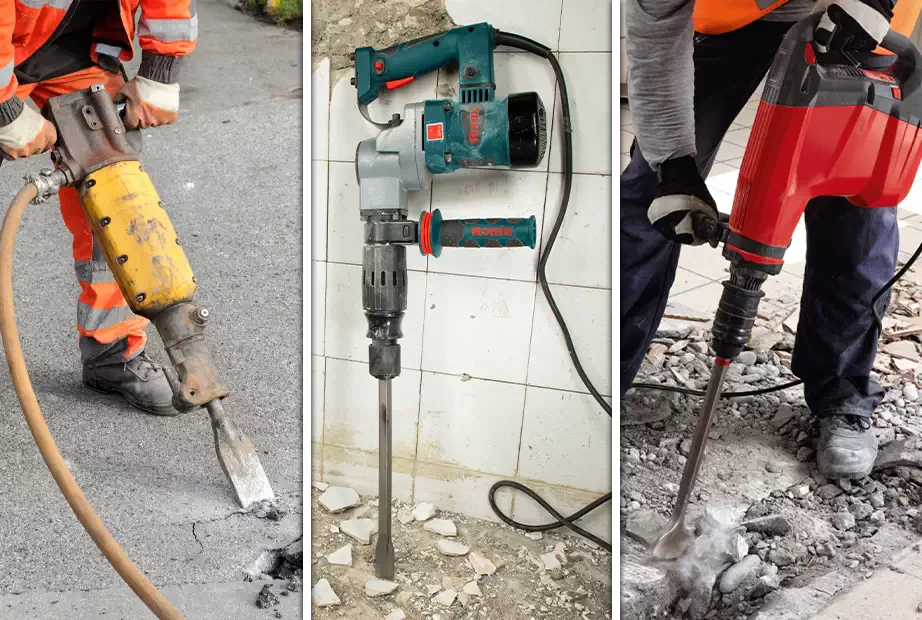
(132, 575)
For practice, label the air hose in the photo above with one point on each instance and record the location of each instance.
(12, 347)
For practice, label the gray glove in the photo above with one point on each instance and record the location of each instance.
(680, 194)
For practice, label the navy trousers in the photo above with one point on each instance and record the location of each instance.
(851, 251)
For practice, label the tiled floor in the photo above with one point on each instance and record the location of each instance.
(488, 389)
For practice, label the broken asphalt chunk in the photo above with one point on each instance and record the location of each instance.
(774, 525)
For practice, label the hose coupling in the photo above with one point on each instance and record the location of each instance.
(47, 183)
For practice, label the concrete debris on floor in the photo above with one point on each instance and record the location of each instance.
(473, 569)
(793, 534)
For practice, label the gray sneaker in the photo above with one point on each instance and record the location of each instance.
(847, 447)
(140, 381)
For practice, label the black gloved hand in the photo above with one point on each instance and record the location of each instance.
(853, 25)
(680, 193)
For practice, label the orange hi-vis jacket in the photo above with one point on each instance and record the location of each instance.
(721, 16)
(166, 27)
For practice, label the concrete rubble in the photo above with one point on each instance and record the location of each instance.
(485, 570)
(793, 531)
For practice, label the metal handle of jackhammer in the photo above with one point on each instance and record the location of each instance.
(909, 59)
(501, 232)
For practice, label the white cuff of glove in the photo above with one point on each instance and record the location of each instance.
(22, 131)
(871, 21)
(157, 95)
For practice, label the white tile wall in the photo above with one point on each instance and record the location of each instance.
(471, 423)
(488, 390)
(478, 326)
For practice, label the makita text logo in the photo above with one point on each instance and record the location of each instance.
(491, 231)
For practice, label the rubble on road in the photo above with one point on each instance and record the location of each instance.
(797, 528)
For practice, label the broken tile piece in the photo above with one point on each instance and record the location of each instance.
(550, 560)
(480, 564)
(423, 512)
(464, 598)
(534, 535)
(379, 587)
(337, 499)
(405, 516)
(341, 557)
(472, 589)
(446, 598)
(452, 548)
(323, 595)
(443, 527)
(360, 530)
(322, 486)
(334, 529)
(397, 614)
(432, 589)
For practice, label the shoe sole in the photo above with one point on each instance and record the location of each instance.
(164, 411)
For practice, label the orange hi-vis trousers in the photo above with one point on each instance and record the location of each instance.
(108, 329)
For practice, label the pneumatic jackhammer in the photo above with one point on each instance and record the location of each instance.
(436, 136)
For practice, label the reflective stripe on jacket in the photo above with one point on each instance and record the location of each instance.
(166, 27)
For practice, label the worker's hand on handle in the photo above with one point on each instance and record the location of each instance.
(681, 193)
(149, 103)
(28, 134)
(853, 25)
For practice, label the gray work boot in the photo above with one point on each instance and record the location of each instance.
(847, 447)
(142, 382)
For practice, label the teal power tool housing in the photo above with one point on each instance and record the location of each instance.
(432, 137)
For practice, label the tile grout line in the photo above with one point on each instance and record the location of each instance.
(485, 379)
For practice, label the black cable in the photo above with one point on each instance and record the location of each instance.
(886, 287)
(690, 392)
(528, 45)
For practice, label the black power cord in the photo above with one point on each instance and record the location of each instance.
(528, 45)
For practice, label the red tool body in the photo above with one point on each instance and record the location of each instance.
(824, 130)
(826, 126)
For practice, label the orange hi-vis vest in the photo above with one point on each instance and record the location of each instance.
(721, 16)
(166, 27)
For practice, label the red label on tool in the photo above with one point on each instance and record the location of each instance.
(491, 231)
(434, 131)
(877, 75)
